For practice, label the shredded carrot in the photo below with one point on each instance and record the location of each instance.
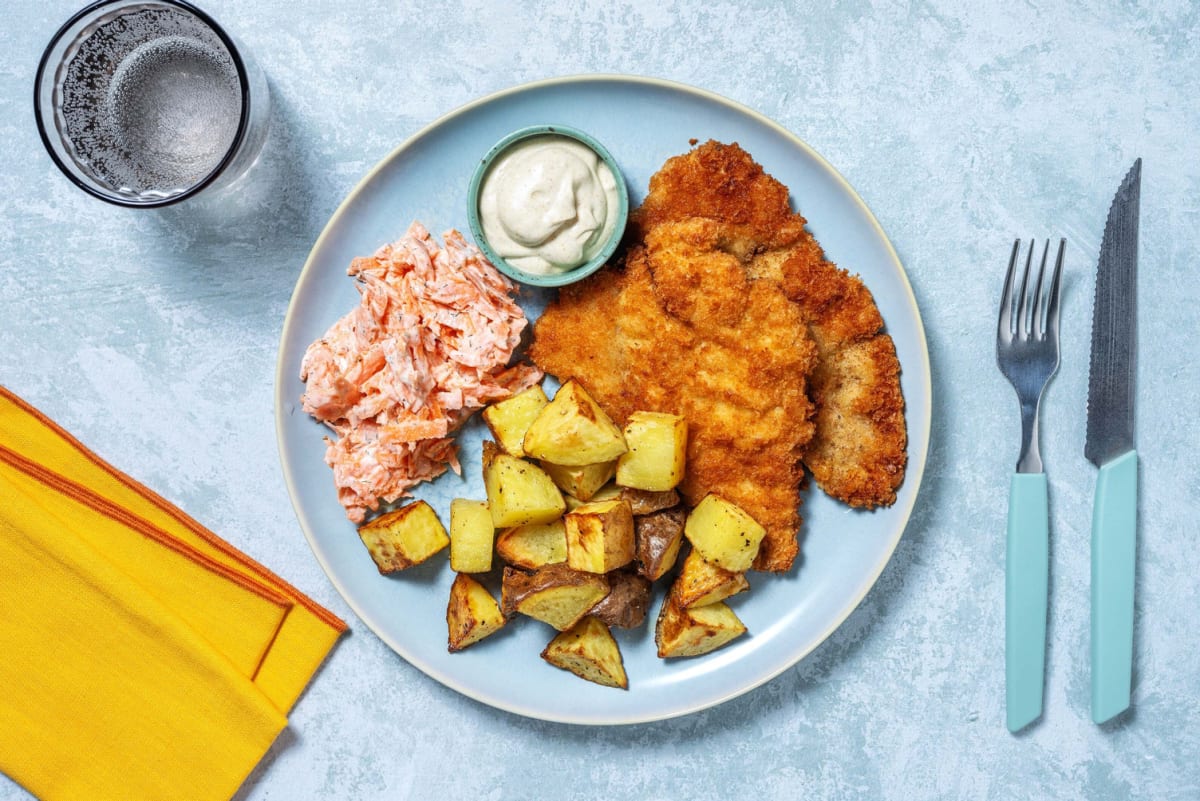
(429, 343)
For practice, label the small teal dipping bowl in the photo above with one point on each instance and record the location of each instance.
(575, 273)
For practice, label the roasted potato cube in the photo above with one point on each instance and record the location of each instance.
(645, 502)
(553, 594)
(657, 445)
(627, 601)
(659, 537)
(600, 536)
(694, 631)
(608, 492)
(589, 651)
(509, 419)
(518, 491)
(723, 533)
(573, 430)
(404, 537)
(580, 481)
(533, 544)
(472, 613)
(472, 536)
(701, 583)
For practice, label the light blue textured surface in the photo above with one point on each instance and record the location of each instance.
(961, 127)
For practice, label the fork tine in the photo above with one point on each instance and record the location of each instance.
(1023, 298)
(1004, 327)
(1038, 301)
(1052, 303)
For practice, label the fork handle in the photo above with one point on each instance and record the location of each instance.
(1114, 547)
(1026, 585)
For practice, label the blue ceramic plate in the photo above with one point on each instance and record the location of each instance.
(642, 122)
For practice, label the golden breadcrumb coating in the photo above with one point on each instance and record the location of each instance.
(724, 309)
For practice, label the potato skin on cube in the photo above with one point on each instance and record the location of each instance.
(600, 536)
(589, 651)
(645, 502)
(659, 537)
(695, 631)
(627, 602)
(471, 614)
(518, 491)
(509, 419)
(573, 430)
(724, 533)
(700, 582)
(403, 537)
(472, 536)
(554, 594)
(657, 444)
(533, 545)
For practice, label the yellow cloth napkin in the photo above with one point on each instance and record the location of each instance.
(141, 656)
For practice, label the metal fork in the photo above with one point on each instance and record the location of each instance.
(1027, 354)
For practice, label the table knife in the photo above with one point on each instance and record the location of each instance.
(1110, 446)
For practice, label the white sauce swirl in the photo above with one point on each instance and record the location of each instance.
(548, 204)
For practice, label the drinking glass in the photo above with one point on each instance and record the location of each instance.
(144, 104)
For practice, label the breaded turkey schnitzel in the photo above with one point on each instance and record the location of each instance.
(690, 333)
(724, 310)
(858, 453)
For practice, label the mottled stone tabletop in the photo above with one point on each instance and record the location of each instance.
(153, 337)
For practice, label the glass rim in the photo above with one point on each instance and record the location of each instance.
(239, 136)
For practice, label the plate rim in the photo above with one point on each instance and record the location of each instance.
(917, 456)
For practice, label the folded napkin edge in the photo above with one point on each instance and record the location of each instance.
(293, 594)
(99, 503)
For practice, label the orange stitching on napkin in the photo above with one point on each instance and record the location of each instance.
(321, 612)
(107, 508)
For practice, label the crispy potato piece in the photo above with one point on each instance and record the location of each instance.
(509, 419)
(723, 533)
(573, 430)
(659, 536)
(600, 536)
(608, 492)
(589, 651)
(695, 631)
(472, 613)
(471, 536)
(553, 594)
(645, 502)
(533, 545)
(404, 537)
(580, 481)
(657, 444)
(701, 583)
(627, 602)
(518, 491)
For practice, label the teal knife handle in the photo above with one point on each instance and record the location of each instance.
(1114, 541)
(1027, 567)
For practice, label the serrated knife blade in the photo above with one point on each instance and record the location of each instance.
(1114, 328)
(1110, 446)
